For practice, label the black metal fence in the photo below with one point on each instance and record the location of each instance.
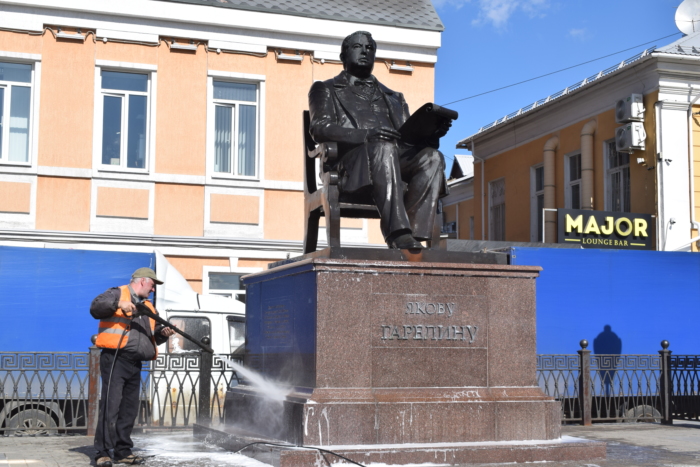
(622, 388)
(58, 392)
(685, 380)
(43, 392)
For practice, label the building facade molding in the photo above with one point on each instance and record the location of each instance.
(205, 23)
(168, 245)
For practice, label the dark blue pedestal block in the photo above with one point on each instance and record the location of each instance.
(281, 326)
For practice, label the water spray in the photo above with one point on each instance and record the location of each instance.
(279, 394)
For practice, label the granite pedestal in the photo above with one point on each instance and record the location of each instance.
(392, 357)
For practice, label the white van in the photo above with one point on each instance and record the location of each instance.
(219, 317)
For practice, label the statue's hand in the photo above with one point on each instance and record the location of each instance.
(382, 134)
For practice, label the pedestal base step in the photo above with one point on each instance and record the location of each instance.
(452, 454)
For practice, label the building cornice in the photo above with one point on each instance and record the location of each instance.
(202, 22)
(168, 245)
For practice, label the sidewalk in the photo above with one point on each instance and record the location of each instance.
(629, 445)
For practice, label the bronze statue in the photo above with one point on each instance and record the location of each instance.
(364, 117)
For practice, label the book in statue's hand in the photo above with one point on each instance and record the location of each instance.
(424, 123)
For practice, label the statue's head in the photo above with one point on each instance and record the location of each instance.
(357, 53)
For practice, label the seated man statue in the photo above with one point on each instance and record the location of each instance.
(363, 116)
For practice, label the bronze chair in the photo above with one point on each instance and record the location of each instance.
(327, 200)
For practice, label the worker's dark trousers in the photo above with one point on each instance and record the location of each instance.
(122, 405)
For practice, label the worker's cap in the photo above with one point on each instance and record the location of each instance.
(146, 272)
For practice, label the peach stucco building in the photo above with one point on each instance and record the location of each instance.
(137, 125)
(561, 153)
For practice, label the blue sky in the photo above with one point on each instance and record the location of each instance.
(492, 43)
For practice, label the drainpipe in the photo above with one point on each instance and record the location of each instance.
(587, 173)
(483, 230)
(693, 222)
(660, 242)
(550, 148)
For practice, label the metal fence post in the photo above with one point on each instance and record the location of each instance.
(584, 383)
(93, 405)
(666, 385)
(204, 415)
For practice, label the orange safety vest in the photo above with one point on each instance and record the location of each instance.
(111, 329)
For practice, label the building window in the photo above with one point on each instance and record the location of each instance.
(235, 128)
(125, 117)
(617, 178)
(536, 202)
(226, 284)
(497, 210)
(573, 181)
(15, 105)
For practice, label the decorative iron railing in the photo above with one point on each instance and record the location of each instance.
(685, 378)
(171, 384)
(625, 387)
(558, 376)
(43, 392)
(58, 392)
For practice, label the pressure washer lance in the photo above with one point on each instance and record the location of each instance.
(143, 310)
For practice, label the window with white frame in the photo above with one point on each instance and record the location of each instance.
(573, 181)
(235, 128)
(15, 104)
(125, 119)
(227, 284)
(536, 202)
(497, 210)
(617, 179)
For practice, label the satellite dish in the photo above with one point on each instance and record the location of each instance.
(688, 16)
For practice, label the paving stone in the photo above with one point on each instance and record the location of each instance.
(629, 445)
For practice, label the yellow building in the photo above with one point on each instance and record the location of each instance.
(458, 209)
(137, 125)
(561, 153)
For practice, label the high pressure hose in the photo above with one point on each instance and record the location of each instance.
(109, 383)
(300, 447)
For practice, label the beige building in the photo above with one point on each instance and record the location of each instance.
(623, 140)
(176, 125)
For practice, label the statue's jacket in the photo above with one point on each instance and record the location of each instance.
(334, 110)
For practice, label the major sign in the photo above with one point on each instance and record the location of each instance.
(601, 229)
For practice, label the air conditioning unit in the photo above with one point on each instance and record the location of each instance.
(630, 137)
(630, 109)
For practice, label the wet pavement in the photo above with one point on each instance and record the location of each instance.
(638, 445)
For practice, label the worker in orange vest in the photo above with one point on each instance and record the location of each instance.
(126, 339)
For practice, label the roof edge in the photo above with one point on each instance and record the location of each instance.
(581, 86)
(305, 15)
